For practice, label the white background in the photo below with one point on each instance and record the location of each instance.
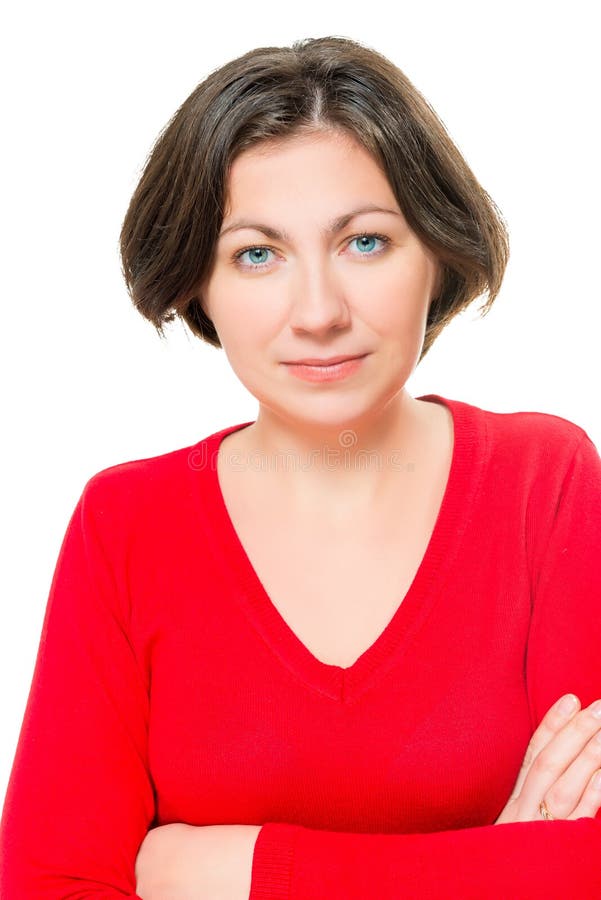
(86, 381)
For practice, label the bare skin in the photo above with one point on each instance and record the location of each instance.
(561, 766)
(337, 573)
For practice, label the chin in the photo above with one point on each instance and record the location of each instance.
(330, 413)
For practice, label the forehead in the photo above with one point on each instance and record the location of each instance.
(305, 169)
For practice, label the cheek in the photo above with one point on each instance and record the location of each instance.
(248, 313)
(398, 312)
(245, 326)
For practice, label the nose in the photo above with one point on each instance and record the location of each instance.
(319, 303)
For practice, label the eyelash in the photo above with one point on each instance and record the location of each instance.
(372, 234)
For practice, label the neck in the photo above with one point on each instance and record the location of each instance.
(349, 464)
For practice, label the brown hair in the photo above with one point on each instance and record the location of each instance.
(169, 234)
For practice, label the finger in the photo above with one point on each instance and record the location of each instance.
(591, 799)
(564, 796)
(553, 721)
(559, 754)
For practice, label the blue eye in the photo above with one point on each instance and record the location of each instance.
(252, 251)
(369, 238)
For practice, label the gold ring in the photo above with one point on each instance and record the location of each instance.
(542, 808)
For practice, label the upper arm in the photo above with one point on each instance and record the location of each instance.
(565, 636)
(80, 799)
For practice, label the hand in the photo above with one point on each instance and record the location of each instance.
(562, 759)
(184, 862)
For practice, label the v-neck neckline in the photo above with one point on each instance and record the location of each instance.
(346, 684)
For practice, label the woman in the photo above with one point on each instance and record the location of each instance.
(349, 649)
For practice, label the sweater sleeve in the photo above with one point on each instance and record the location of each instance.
(79, 800)
(535, 859)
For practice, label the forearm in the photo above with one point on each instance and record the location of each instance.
(181, 862)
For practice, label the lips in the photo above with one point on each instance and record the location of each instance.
(316, 361)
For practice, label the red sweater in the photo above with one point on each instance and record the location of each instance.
(168, 688)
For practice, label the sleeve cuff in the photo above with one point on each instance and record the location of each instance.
(273, 858)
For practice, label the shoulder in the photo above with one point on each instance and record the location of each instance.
(142, 492)
(134, 479)
(530, 437)
(532, 424)
(541, 449)
(533, 452)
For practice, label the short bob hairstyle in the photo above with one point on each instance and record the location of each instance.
(171, 227)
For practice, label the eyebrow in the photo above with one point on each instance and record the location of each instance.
(335, 225)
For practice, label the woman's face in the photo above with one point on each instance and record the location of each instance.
(307, 290)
